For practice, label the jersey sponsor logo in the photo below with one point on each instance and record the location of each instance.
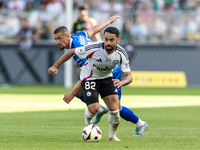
(82, 40)
(99, 60)
(101, 69)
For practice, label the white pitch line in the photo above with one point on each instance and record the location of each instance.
(21, 102)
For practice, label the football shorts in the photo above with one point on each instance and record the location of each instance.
(92, 89)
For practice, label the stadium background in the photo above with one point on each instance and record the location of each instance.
(163, 51)
(160, 36)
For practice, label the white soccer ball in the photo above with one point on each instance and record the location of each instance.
(91, 133)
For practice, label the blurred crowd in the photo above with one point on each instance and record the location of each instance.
(141, 20)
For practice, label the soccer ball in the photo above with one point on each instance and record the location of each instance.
(91, 133)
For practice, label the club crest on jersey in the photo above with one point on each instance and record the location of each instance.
(115, 62)
(88, 93)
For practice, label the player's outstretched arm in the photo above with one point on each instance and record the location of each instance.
(128, 79)
(53, 70)
(97, 28)
(97, 37)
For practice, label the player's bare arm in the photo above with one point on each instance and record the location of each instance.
(77, 88)
(69, 96)
(97, 28)
(127, 80)
(97, 37)
(53, 70)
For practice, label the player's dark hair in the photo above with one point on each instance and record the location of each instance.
(112, 30)
(83, 7)
(61, 29)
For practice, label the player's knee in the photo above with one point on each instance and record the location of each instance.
(114, 106)
(93, 108)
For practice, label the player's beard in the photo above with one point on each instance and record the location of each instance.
(109, 50)
(61, 48)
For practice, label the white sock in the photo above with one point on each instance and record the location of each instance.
(114, 120)
(88, 116)
(100, 108)
(139, 123)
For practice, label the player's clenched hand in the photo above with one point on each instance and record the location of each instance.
(117, 82)
(52, 70)
(68, 97)
(113, 18)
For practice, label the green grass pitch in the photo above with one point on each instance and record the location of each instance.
(169, 127)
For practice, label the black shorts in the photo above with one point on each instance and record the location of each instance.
(92, 89)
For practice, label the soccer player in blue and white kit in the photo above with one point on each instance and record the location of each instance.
(125, 113)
